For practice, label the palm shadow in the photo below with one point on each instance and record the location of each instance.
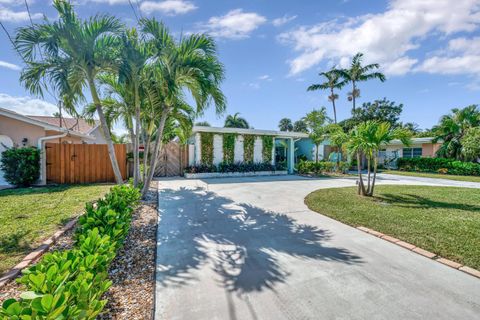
(416, 201)
(242, 242)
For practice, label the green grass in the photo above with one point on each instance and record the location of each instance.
(30, 215)
(443, 220)
(434, 175)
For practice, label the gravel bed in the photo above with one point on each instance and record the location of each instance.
(132, 271)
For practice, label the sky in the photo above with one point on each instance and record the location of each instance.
(274, 49)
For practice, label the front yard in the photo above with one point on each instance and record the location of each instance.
(434, 175)
(30, 215)
(443, 220)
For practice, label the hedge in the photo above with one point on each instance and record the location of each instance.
(306, 167)
(70, 284)
(234, 167)
(439, 165)
(21, 166)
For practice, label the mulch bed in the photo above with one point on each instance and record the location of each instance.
(132, 271)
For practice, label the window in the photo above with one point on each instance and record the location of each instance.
(412, 152)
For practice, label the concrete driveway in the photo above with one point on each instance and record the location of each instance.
(249, 248)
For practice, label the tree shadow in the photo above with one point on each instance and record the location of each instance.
(15, 242)
(242, 242)
(416, 201)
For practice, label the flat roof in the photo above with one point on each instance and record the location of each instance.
(414, 141)
(258, 132)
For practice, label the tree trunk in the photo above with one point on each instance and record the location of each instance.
(132, 138)
(361, 187)
(334, 109)
(136, 154)
(353, 96)
(316, 153)
(105, 131)
(156, 149)
(369, 174)
(375, 165)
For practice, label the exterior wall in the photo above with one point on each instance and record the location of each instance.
(217, 149)
(430, 149)
(198, 149)
(18, 130)
(99, 139)
(67, 139)
(238, 149)
(257, 150)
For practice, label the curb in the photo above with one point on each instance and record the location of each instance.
(420, 251)
(35, 255)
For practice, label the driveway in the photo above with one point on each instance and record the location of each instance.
(249, 248)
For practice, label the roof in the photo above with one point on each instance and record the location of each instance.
(47, 126)
(414, 141)
(80, 125)
(278, 134)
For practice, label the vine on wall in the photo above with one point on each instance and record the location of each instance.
(248, 146)
(206, 144)
(229, 147)
(267, 148)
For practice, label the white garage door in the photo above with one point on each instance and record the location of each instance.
(5, 143)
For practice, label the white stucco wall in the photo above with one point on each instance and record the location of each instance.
(238, 150)
(217, 149)
(257, 150)
(99, 139)
(198, 148)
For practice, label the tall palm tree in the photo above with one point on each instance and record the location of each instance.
(236, 121)
(189, 65)
(285, 124)
(72, 55)
(452, 128)
(333, 81)
(358, 73)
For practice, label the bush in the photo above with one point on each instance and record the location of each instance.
(321, 167)
(234, 167)
(21, 166)
(70, 284)
(439, 165)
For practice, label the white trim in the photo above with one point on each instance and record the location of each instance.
(278, 134)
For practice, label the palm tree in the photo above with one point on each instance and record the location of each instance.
(358, 73)
(285, 124)
(333, 81)
(189, 65)
(366, 140)
(236, 122)
(203, 124)
(72, 55)
(300, 126)
(316, 121)
(452, 128)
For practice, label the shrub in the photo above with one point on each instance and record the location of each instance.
(306, 167)
(442, 165)
(234, 167)
(21, 166)
(206, 145)
(248, 147)
(70, 284)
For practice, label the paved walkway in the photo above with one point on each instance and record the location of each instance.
(249, 248)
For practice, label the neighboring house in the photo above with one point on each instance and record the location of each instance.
(17, 130)
(419, 148)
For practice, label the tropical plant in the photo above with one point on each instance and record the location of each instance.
(70, 54)
(300, 126)
(21, 166)
(316, 121)
(236, 121)
(365, 140)
(452, 128)
(471, 144)
(358, 73)
(202, 124)
(285, 124)
(333, 81)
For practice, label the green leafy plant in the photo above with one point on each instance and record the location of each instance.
(229, 147)
(267, 142)
(248, 146)
(21, 166)
(322, 167)
(443, 165)
(206, 144)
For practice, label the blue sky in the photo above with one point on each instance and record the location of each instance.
(273, 50)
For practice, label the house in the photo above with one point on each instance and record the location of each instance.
(17, 130)
(420, 147)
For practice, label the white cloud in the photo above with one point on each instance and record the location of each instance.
(9, 15)
(168, 7)
(385, 38)
(283, 20)
(27, 105)
(265, 77)
(236, 24)
(9, 65)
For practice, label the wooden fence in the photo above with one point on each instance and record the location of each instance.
(83, 163)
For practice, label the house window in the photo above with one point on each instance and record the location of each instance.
(412, 152)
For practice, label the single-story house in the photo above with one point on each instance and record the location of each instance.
(17, 130)
(289, 147)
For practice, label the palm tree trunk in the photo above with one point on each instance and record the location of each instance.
(146, 151)
(353, 95)
(361, 186)
(132, 138)
(334, 109)
(136, 154)
(369, 174)
(316, 153)
(375, 165)
(105, 131)
(156, 149)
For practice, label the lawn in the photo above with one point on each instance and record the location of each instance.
(434, 175)
(30, 215)
(443, 220)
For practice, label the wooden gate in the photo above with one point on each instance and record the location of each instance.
(173, 158)
(83, 163)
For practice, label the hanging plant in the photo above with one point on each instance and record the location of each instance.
(229, 147)
(248, 146)
(267, 148)
(206, 144)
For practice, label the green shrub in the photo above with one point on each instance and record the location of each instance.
(321, 167)
(206, 145)
(441, 165)
(267, 148)
(21, 166)
(70, 284)
(235, 167)
(229, 147)
(248, 147)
